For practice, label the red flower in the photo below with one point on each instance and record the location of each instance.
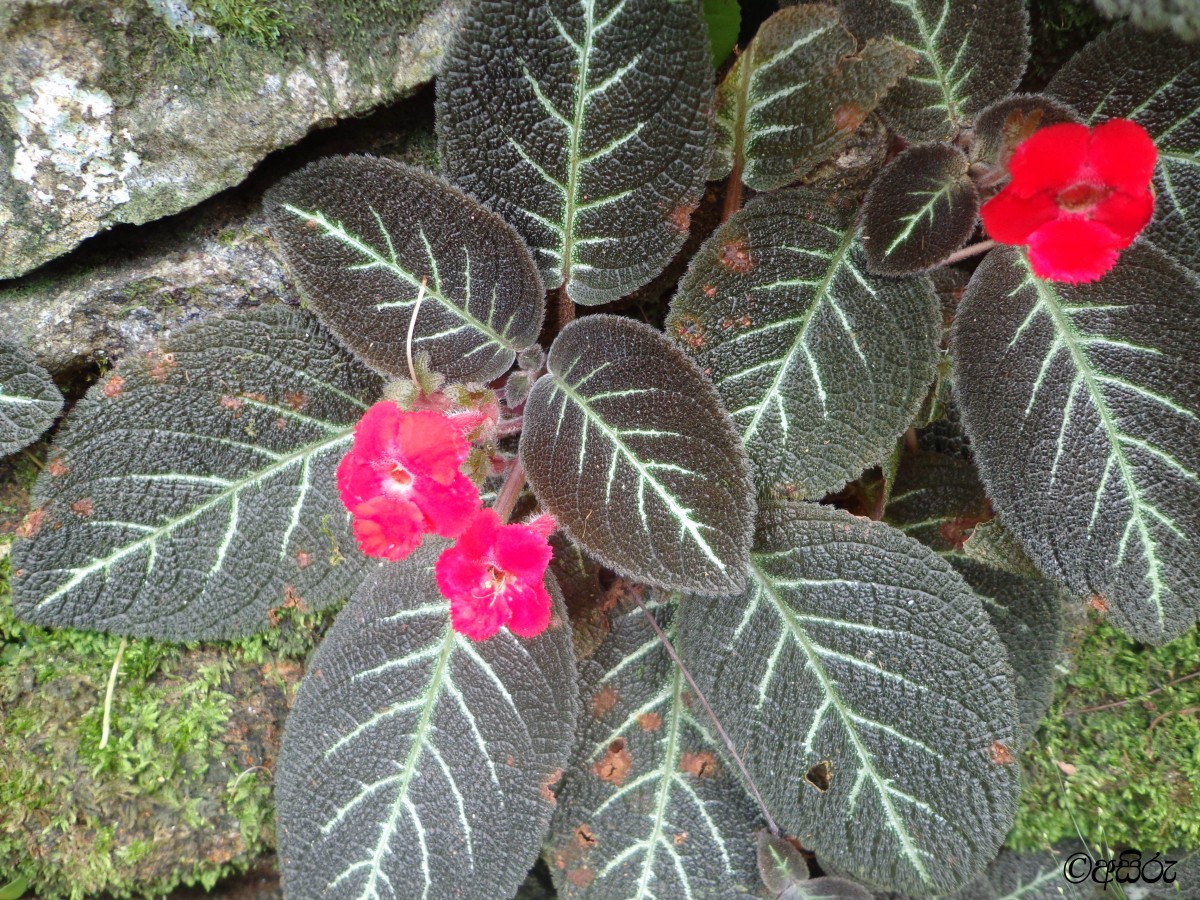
(494, 575)
(1077, 198)
(401, 480)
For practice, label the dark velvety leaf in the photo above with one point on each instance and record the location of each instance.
(1020, 876)
(724, 18)
(29, 401)
(971, 54)
(1009, 122)
(939, 501)
(878, 662)
(361, 233)
(920, 210)
(995, 546)
(628, 446)
(417, 762)
(585, 124)
(796, 95)
(578, 577)
(1153, 79)
(648, 807)
(821, 364)
(1082, 407)
(828, 888)
(191, 492)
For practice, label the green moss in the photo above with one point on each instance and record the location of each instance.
(1127, 775)
(181, 794)
(255, 21)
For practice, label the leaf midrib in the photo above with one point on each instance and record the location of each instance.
(831, 692)
(664, 784)
(835, 264)
(231, 491)
(433, 693)
(931, 54)
(338, 232)
(1070, 338)
(574, 162)
(633, 460)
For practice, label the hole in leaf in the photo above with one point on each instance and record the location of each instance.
(820, 775)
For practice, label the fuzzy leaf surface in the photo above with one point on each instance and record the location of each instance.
(1006, 124)
(648, 808)
(191, 492)
(795, 96)
(629, 448)
(417, 762)
(585, 124)
(939, 501)
(876, 657)
(995, 546)
(29, 400)
(1082, 408)
(1153, 79)
(970, 55)
(821, 364)
(1019, 876)
(361, 233)
(920, 210)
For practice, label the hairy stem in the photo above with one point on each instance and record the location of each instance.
(566, 308)
(729, 747)
(106, 726)
(507, 427)
(510, 490)
(967, 252)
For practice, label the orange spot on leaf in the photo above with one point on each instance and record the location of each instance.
(650, 721)
(615, 764)
(603, 702)
(114, 387)
(701, 765)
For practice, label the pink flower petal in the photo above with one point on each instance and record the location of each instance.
(1011, 219)
(1122, 155)
(1073, 250)
(1050, 160)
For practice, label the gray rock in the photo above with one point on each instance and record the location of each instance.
(126, 291)
(124, 111)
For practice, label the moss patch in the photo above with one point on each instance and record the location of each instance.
(182, 792)
(1127, 775)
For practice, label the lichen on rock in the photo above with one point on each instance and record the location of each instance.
(115, 112)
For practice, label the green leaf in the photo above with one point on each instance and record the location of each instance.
(29, 401)
(629, 448)
(1081, 405)
(15, 889)
(1153, 79)
(796, 95)
(585, 124)
(418, 762)
(920, 210)
(191, 492)
(821, 364)
(879, 664)
(648, 808)
(971, 54)
(361, 234)
(939, 500)
(780, 865)
(724, 18)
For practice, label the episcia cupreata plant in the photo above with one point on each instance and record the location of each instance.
(704, 667)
